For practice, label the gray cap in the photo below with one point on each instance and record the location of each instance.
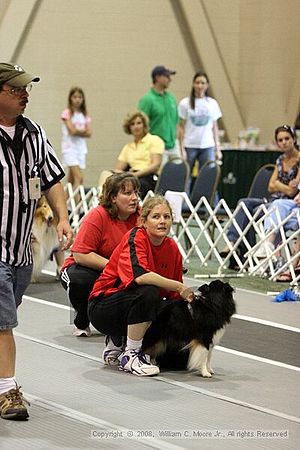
(15, 75)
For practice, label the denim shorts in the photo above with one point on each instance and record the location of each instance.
(13, 283)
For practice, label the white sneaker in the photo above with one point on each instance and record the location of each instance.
(264, 250)
(137, 363)
(81, 333)
(111, 353)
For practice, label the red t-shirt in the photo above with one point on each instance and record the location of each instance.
(134, 256)
(100, 233)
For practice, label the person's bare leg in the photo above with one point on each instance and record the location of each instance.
(7, 354)
(137, 331)
(12, 402)
(77, 177)
(70, 176)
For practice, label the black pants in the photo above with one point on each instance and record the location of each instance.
(111, 315)
(78, 281)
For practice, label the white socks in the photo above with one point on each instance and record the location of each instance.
(133, 345)
(6, 384)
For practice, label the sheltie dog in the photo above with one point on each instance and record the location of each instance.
(44, 236)
(184, 334)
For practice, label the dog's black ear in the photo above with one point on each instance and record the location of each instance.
(204, 289)
(228, 288)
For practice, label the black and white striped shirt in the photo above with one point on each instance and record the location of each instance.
(36, 157)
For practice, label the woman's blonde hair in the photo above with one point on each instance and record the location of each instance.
(150, 203)
(131, 116)
(113, 185)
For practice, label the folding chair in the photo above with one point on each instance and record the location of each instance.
(206, 183)
(259, 186)
(205, 186)
(174, 176)
(260, 182)
(223, 215)
(258, 189)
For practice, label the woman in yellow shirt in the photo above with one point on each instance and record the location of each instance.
(143, 155)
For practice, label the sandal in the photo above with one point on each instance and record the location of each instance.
(297, 270)
(226, 250)
(284, 277)
(223, 253)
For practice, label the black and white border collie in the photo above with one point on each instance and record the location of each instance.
(184, 334)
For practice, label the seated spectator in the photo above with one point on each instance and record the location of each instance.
(99, 234)
(145, 268)
(142, 156)
(283, 183)
(282, 209)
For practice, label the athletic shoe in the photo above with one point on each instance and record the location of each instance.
(137, 363)
(12, 405)
(112, 352)
(81, 333)
(264, 250)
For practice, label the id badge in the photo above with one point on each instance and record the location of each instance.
(34, 188)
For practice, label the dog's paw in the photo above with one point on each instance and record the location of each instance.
(206, 374)
(210, 370)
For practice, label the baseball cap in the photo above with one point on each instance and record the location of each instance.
(161, 70)
(15, 75)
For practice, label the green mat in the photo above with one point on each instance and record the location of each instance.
(253, 283)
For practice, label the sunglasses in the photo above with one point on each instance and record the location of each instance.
(18, 90)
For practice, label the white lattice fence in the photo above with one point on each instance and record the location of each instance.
(77, 210)
(201, 231)
(205, 243)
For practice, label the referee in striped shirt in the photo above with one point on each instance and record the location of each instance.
(28, 166)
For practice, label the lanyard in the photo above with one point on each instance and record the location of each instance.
(16, 144)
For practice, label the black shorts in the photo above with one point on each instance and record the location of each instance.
(111, 315)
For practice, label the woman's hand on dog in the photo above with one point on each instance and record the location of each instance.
(186, 293)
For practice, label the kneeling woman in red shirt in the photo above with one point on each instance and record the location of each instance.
(100, 233)
(145, 268)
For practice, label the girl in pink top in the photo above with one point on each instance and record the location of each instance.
(76, 128)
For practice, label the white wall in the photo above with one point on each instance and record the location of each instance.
(108, 47)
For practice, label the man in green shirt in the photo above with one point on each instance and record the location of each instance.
(161, 108)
